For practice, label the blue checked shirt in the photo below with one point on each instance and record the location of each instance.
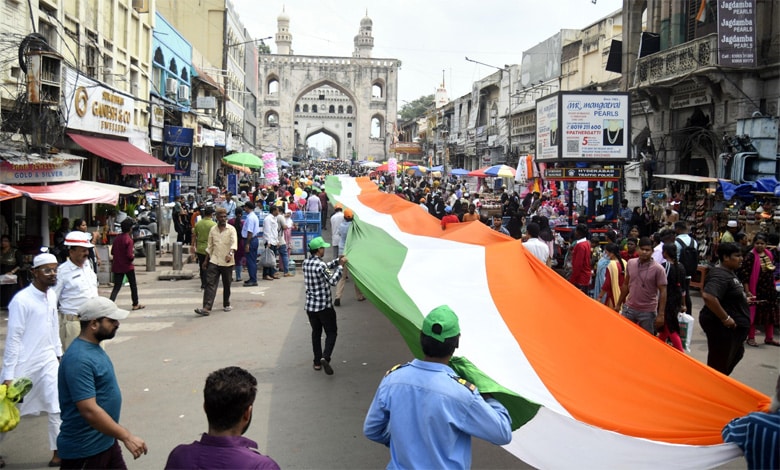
(318, 277)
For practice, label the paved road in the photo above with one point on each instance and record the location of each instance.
(302, 418)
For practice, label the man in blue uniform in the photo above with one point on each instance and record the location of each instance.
(425, 413)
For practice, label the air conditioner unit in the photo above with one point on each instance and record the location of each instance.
(171, 85)
(184, 93)
(141, 6)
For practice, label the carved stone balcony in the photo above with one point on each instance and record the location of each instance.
(685, 59)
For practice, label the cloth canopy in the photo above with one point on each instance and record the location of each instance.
(68, 194)
(134, 161)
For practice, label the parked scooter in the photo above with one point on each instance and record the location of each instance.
(144, 230)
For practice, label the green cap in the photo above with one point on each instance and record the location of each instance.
(441, 323)
(317, 243)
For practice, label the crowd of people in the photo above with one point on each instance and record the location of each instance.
(56, 324)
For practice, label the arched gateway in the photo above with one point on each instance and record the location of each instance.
(338, 96)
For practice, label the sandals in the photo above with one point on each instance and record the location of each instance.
(138, 307)
(751, 342)
(772, 342)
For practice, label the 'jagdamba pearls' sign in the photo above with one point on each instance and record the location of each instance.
(737, 33)
(91, 107)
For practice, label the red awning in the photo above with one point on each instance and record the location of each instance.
(134, 161)
(68, 194)
(8, 192)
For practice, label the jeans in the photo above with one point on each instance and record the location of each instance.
(251, 260)
(725, 346)
(285, 257)
(118, 285)
(324, 319)
(213, 274)
(269, 272)
(644, 319)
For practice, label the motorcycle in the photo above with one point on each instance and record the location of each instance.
(144, 230)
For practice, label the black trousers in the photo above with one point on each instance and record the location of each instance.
(201, 259)
(725, 346)
(109, 458)
(118, 285)
(323, 320)
(213, 274)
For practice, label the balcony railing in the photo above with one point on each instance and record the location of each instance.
(677, 61)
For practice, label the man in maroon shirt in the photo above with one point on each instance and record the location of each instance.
(324, 212)
(123, 254)
(228, 399)
(580, 259)
(644, 290)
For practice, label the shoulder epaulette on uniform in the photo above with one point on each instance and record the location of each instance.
(464, 382)
(395, 368)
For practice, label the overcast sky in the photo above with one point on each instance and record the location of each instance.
(428, 36)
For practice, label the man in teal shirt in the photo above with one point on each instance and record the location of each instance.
(90, 399)
(425, 413)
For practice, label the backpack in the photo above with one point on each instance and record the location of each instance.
(689, 257)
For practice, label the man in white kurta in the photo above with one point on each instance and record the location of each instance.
(33, 347)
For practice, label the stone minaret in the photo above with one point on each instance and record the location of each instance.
(364, 41)
(283, 36)
(440, 98)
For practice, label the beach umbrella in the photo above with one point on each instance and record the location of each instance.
(500, 171)
(284, 164)
(370, 164)
(459, 172)
(479, 173)
(437, 168)
(244, 159)
(419, 169)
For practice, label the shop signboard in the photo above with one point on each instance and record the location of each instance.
(582, 174)
(157, 119)
(547, 129)
(43, 172)
(584, 126)
(92, 107)
(737, 33)
(177, 148)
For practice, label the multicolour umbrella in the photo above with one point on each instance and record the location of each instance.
(501, 171)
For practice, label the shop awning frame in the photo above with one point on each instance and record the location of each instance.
(134, 161)
(689, 178)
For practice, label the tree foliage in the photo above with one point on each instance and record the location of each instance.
(412, 110)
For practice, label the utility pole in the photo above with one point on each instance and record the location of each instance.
(508, 70)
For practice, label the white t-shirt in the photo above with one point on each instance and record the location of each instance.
(538, 248)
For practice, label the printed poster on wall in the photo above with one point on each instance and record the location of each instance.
(737, 33)
(595, 126)
(547, 129)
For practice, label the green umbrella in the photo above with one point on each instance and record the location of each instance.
(244, 159)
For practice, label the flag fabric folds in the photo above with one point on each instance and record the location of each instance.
(585, 387)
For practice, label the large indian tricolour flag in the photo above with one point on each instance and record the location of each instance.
(585, 387)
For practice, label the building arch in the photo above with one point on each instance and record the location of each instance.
(325, 130)
(172, 67)
(271, 119)
(378, 89)
(377, 126)
(272, 84)
(319, 83)
(159, 58)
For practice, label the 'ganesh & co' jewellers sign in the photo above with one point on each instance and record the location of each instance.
(92, 107)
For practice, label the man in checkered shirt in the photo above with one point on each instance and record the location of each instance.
(318, 277)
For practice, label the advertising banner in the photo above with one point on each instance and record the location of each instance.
(91, 107)
(737, 33)
(177, 148)
(547, 129)
(595, 126)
